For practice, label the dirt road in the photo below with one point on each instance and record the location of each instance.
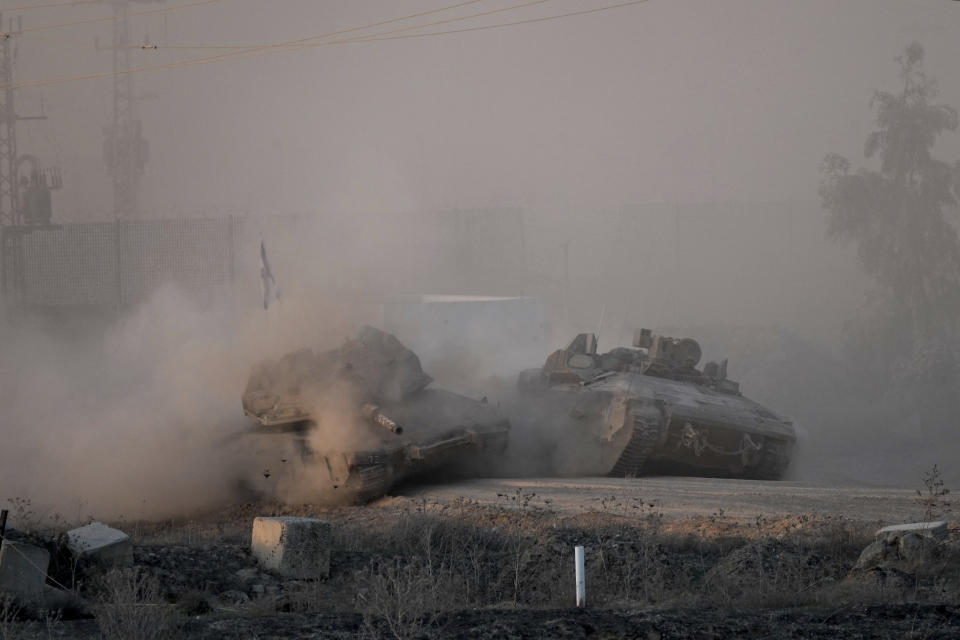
(681, 496)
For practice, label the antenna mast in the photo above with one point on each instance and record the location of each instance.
(9, 202)
(24, 200)
(125, 151)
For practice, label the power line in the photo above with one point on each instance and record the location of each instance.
(190, 5)
(505, 24)
(305, 43)
(52, 5)
(258, 47)
(291, 45)
(388, 35)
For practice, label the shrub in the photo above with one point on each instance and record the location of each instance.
(129, 606)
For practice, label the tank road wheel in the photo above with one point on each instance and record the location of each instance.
(648, 425)
(774, 460)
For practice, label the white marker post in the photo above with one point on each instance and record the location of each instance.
(581, 582)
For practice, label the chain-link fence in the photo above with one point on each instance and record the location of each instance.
(656, 264)
(115, 263)
(119, 264)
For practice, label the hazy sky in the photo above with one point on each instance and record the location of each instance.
(568, 120)
(670, 100)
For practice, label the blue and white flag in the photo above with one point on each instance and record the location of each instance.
(271, 291)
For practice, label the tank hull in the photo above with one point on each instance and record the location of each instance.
(344, 426)
(625, 423)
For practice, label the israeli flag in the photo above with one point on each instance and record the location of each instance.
(271, 291)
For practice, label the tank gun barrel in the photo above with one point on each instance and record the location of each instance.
(372, 413)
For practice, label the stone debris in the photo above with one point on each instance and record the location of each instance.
(872, 555)
(911, 547)
(936, 530)
(101, 544)
(293, 547)
(23, 569)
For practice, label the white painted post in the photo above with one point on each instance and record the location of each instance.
(581, 582)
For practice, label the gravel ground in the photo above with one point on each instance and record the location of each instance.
(668, 557)
(682, 496)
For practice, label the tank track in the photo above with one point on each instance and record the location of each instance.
(774, 460)
(643, 440)
(368, 482)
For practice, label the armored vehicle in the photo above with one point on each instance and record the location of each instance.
(632, 409)
(358, 419)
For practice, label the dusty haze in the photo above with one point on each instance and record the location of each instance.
(672, 147)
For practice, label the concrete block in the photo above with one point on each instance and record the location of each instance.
(917, 548)
(293, 547)
(101, 544)
(23, 569)
(935, 530)
(873, 555)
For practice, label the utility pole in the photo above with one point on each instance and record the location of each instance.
(125, 150)
(9, 203)
(10, 258)
(19, 212)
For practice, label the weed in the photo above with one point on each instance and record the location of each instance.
(401, 599)
(632, 565)
(129, 606)
(521, 501)
(762, 526)
(933, 497)
(50, 621)
(463, 505)
(41, 526)
(10, 628)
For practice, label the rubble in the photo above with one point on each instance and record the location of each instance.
(872, 555)
(101, 544)
(293, 547)
(903, 546)
(23, 569)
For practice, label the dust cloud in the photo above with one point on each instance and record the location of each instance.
(649, 166)
(118, 422)
(138, 416)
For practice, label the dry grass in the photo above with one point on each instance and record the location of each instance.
(130, 606)
(407, 565)
(517, 556)
(10, 627)
(402, 599)
(42, 624)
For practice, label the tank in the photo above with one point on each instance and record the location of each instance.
(347, 424)
(647, 407)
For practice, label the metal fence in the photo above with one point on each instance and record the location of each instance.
(119, 264)
(115, 263)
